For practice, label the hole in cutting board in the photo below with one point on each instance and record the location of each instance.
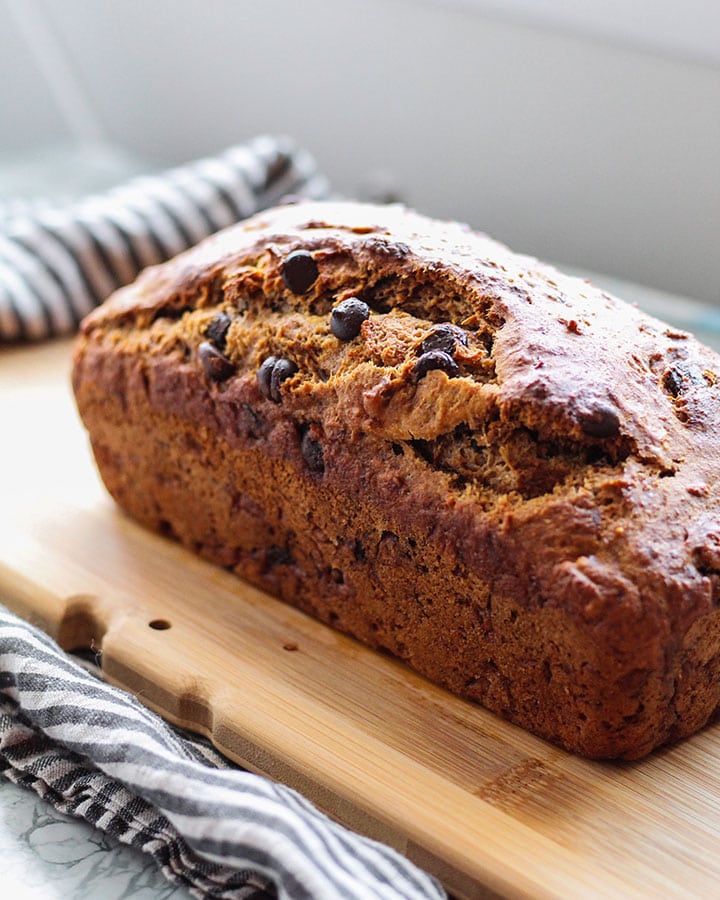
(160, 624)
(82, 628)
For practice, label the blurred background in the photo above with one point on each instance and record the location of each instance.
(582, 132)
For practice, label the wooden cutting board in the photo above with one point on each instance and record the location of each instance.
(488, 808)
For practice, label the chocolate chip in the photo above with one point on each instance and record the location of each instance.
(358, 550)
(347, 318)
(281, 371)
(271, 375)
(445, 338)
(680, 378)
(217, 366)
(312, 452)
(264, 374)
(436, 359)
(601, 422)
(217, 330)
(278, 556)
(299, 271)
(673, 382)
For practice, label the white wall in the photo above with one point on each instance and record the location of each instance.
(28, 112)
(684, 29)
(570, 144)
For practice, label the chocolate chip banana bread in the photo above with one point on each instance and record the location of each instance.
(498, 473)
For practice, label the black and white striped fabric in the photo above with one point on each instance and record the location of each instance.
(94, 752)
(57, 263)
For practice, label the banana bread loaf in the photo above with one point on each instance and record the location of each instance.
(498, 473)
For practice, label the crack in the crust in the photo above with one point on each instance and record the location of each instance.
(172, 313)
(433, 302)
(511, 459)
(429, 298)
(429, 301)
(425, 303)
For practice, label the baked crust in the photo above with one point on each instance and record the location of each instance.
(535, 526)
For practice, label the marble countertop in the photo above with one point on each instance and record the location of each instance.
(47, 855)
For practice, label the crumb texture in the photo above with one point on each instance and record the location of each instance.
(496, 472)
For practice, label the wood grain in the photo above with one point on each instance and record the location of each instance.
(485, 806)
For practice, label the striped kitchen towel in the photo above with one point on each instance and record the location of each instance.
(95, 752)
(58, 262)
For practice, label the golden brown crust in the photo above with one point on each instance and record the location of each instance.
(536, 525)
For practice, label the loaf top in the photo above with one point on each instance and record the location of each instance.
(560, 356)
(560, 397)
